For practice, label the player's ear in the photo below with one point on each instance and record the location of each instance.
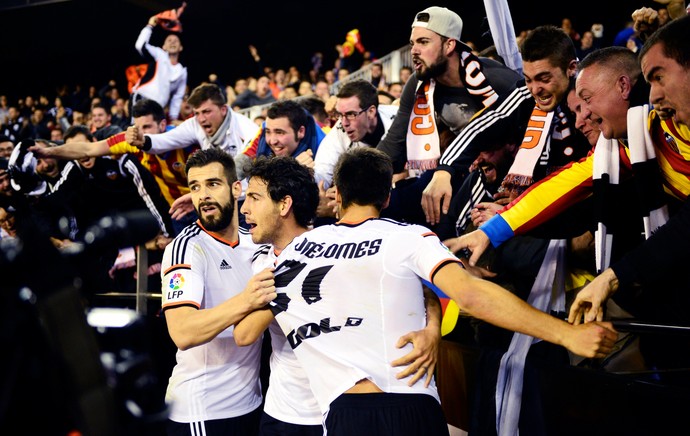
(387, 202)
(236, 189)
(285, 205)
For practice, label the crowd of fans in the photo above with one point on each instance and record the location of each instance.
(313, 116)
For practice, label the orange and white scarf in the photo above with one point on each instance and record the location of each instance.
(521, 173)
(423, 143)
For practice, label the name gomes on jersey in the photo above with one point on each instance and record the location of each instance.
(286, 272)
(348, 250)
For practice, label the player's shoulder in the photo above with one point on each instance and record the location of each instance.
(263, 257)
(246, 241)
(189, 235)
(391, 225)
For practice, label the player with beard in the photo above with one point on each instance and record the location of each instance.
(348, 291)
(281, 202)
(207, 287)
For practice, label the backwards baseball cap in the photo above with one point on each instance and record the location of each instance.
(440, 20)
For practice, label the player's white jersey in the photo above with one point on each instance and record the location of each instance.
(347, 293)
(289, 397)
(218, 379)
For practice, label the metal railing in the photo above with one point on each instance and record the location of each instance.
(391, 64)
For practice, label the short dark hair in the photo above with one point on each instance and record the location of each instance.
(362, 89)
(290, 109)
(364, 176)
(206, 91)
(386, 94)
(550, 43)
(285, 176)
(146, 107)
(201, 158)
(76, 130)
(314, 106)
(101, 104)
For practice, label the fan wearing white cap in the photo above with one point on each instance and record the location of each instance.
(450, 85)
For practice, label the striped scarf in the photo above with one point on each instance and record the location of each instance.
(647, 180)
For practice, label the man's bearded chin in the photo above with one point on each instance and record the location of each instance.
(223, 221)
(435, 70)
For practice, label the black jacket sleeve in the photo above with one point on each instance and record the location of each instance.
(663, 255)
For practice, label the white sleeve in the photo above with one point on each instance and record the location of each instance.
(248, 127)
(143, 39)
(423, 252)
(181, 136)
(177, 96)
(329, 151)
(182, 274)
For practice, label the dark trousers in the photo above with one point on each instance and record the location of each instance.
(245, 425)
(270, 426)
(386, 414)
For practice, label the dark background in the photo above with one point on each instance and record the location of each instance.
(48, 43)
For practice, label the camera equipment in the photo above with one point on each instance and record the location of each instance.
(64, 373)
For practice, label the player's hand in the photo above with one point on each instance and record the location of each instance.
(181, 206)
(436, 196)
(260, 289)
(477, 271)
(421, 361)
(593, 340)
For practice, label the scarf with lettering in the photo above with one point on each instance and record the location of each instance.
(423, 143)
(647, 181)
(537, 137)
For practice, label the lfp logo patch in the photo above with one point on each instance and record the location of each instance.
(176, 282)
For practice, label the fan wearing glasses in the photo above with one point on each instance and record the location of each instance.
(361, 122)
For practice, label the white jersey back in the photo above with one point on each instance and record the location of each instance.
(289, 397)
(218, 379)
(347, 293)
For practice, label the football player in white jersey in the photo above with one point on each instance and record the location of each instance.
(208, 286)
(348, 291)
(280, 205)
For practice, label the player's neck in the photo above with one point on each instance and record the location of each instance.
(286, 236)
(356, 213)
(230, 233)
